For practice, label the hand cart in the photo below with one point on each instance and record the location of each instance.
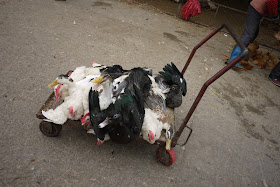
(166, 157)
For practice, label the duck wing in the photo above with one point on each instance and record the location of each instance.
(113, 71)
(139, 78)
(96, 116)
(131, 109)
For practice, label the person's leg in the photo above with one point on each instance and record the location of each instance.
(274, 75)
(250, 32)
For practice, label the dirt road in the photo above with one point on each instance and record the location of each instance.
(236, 126)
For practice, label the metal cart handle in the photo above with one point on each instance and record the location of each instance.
(211, 80)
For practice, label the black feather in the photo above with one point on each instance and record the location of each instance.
(114, 71)
(140, 79)
(174, 97)
(96, 116)
(130, 109)
(173, 76)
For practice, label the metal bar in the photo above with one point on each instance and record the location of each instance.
(211, 80)
(198, 46)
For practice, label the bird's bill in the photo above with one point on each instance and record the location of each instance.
(98, 80)
(168, 144)
(104, 123)
(166, 91)
(54, 83)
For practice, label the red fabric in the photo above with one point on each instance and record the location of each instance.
(260, 6)
(272, 6)
(266, 7)
(191, 8)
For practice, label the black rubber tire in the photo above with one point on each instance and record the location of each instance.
(50, 129)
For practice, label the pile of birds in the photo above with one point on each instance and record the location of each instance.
(263, 60)
(119, 104)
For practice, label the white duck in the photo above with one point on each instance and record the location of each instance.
(95, 69)
(73, 105)
(61, 90)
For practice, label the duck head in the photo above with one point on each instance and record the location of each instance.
(62, 79)
(97, 80)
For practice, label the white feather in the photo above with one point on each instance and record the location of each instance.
(78, 73)
(151, 123)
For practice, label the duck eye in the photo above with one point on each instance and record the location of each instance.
(115, 116)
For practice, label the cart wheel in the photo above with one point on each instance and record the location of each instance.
(50, 129)
(166, 157)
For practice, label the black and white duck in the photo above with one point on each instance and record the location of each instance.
(124, 121)
(97, 117)
(156, 119)
(127, 117)
(173, 84)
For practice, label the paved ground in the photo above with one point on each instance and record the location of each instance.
(236, 126)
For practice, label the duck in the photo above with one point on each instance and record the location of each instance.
(113, 71)
(97, 117)
(130, 78)
(61, 90)
(105, 89)
(155, 124)
(125, 119)
(74, 104)
(127, 116)
(152, 126)
(138, 77)
(155, 120)
(173, 85)
(95, 69)
(122, 121)
(81, 72)
(156, 98)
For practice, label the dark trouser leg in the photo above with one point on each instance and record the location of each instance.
(275, 73)
(251, 30)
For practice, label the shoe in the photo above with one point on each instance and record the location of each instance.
(234, 54)
(274, 81)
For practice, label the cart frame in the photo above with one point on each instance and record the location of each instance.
(209, 81)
